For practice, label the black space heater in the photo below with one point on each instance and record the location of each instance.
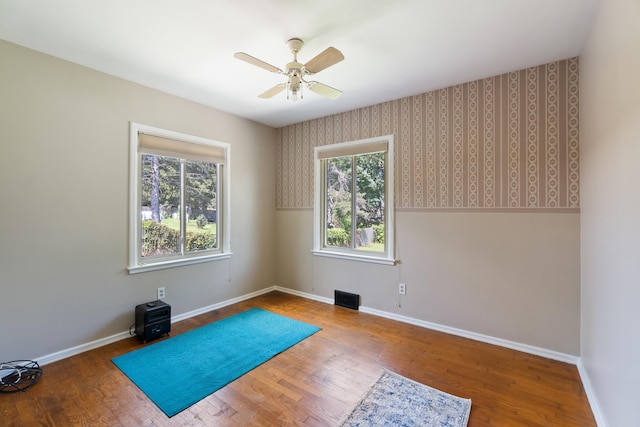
(153, 320)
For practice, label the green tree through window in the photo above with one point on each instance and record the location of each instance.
(173, 188)
(363, 196)
(354, 196)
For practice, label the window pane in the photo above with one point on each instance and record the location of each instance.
(339, 202)
(354, 216)
(159, 206)
(202, 205)
(370, 202)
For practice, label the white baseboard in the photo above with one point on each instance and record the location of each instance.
(216, 306)
(429, 325)
(303, 294)
(63, 354)
(591, 396)
(538, 351)
(549, 354)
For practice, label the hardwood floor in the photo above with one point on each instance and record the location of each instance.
(315, 382)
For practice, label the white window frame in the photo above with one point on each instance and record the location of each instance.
(354, 147)
(136, 263)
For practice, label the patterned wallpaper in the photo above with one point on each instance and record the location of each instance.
(504, 142)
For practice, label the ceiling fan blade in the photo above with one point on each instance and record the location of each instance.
(258, 63)
(324, 59)
(325, 90)
(273, 91)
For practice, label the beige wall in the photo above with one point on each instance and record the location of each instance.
(610, 230)
(487, 202)
(513, 276)
(64, 205)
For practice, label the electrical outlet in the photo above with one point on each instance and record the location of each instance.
(161, 293)
(402, 289)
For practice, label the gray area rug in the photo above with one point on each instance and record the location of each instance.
(398, 401)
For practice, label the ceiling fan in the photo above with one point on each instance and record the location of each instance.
(296, 72)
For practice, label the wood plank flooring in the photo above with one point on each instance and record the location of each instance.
(315, 382)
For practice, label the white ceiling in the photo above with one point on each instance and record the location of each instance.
(392, 49)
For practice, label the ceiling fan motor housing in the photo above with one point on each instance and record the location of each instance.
(294, 68)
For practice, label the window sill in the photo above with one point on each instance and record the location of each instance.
(142, 268)
(354, 257)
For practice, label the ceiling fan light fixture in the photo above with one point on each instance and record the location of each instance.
(294, 87)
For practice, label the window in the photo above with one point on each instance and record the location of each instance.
(354, 200)
(178, 199)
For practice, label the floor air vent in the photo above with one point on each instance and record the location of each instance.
(345, 299)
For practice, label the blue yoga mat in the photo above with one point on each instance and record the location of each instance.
(182, 370)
